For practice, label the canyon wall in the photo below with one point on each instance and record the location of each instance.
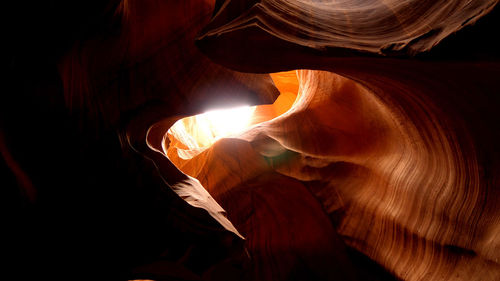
(385, 167)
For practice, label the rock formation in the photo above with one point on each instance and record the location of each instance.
(373, 157)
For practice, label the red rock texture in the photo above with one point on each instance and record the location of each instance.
(385, 167)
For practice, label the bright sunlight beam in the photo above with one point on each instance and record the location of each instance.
(225, 122)
(203, 130)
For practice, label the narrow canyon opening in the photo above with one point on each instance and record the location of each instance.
(363, 145)
(190, 136)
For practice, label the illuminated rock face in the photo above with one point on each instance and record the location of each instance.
(381, 153)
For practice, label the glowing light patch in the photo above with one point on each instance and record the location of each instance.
(203, 130)
(225, 122)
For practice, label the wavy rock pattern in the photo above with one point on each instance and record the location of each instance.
(368, 26)
(391, 147)
(404, 154)
(405, 186)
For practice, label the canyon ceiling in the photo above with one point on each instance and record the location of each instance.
(372, 152)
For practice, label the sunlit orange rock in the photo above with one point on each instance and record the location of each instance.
(371, 151)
